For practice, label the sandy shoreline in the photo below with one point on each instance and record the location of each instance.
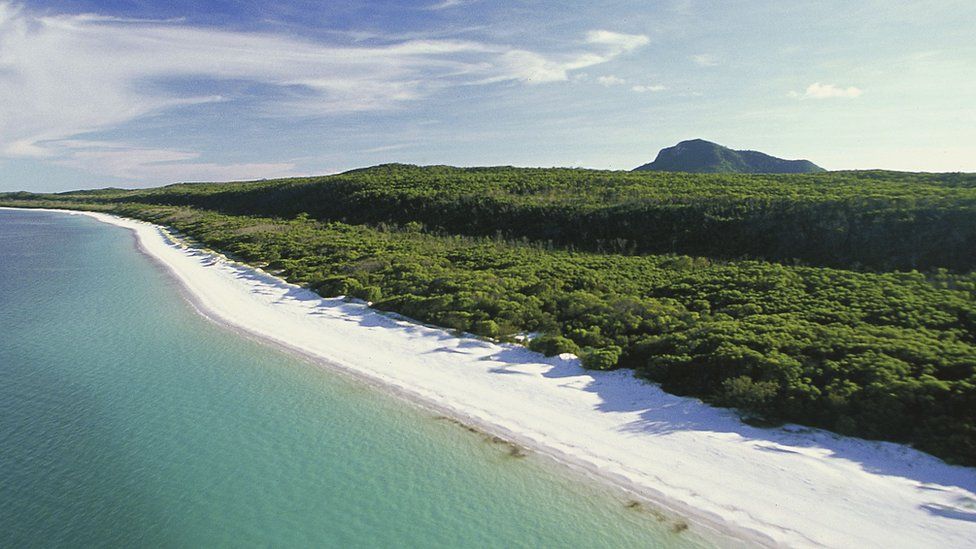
(790, 486)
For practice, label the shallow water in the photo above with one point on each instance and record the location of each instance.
(126, 419)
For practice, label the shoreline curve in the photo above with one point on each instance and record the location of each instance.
(789, 486)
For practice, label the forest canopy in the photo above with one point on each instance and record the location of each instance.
(857, 220)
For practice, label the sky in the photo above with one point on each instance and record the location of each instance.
(143, 93)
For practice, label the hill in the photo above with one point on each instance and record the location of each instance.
(700, 156)
(863, 220)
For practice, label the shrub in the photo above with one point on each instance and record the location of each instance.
(338, 285)
(748, 395)
(551, 345)
(487, 328)
(367, 293)
(601, 359)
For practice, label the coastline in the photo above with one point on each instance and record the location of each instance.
(786, 486)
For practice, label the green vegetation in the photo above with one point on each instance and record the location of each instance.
(869, 220)
(887, 355)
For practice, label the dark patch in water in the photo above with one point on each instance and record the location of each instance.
(514, 450)
(679, 526)
(464, 426)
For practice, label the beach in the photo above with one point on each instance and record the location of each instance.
(786, 486)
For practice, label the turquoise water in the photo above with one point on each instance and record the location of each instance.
(126, 419)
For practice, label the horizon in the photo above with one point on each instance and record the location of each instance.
(474, 167)
(119, 94)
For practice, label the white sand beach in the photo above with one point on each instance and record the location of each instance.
(789, 486)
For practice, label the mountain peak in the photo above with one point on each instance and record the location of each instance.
(700, 156)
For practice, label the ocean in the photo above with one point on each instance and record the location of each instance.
(127, 419)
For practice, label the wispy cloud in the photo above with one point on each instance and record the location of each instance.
(385, 148)
(445, 4)
(610, 80)
(641, 88)
(141, 164)
(536, 68)
(66, 75)
(827, 91)
(704, 60)
(618, 42)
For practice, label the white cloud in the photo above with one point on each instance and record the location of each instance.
(704, 60)
(535, 68)
(618, 42)
(530, 67)
(648, 88)
(827, 91)
(445, 4)
(27, 148)
(147, 165)
(385, 148)
(66, 75)
(610, 80)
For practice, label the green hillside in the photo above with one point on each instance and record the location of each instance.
(862, 220)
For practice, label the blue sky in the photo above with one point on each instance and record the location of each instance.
(141, 93)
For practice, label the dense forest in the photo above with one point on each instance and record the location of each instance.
(865, 350)
(857, 220)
